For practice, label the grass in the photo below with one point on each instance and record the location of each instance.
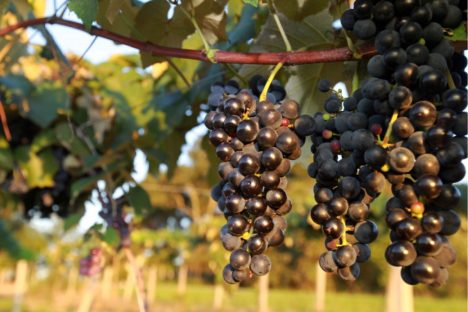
(5, 304)
(200, 297)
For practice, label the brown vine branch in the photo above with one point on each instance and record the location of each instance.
(298, 57)
(288, 58)
(4, 120)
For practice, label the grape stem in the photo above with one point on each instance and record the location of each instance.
(450, 81)
(263, 95)
(343, 239)
(388, 133)
(209, 51)
(274, 13)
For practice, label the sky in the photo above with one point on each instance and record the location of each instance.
(77, 42)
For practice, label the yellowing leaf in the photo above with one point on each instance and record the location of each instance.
(158, 69)
(39, 7)
(252, 2)
(85, 9)
(37, 169)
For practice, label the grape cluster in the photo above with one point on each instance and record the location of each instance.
(41, 201)
(255, 141)
(92, 263)
(345, 186)
(406, 124)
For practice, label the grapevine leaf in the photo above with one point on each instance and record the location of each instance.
(244, 30)
(210, 17)
(71, 221)
(174, 105)
(85, 184)
(299, 9)
(44, 139)
(86, 10)
(22, 8)
(68, 139)
(45, 103)
(213, 161)
(117, 16)
(10, 244)
(16, 84)
(113, 9)
(6, 157)
(459, 33)
(139, 199)
(4, 5)
(153, 24)
(111, 236)
(313, 32)
(302, 86)
(171, 148)
(235, 7)
(252, 2)
(38, 169)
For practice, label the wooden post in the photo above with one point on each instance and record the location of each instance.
(3, 278)
(88, 294)
(320, 288)
(263, 289)
(182, 280)
(152, 283)
(218, 296)
(399, 295)
(106, 285)
(72, 280)
(20, 284)
(128, 286)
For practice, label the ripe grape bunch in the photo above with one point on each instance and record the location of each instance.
(92, 263)
(406, 124)
(255, 140)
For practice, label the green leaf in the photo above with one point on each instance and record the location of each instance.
(210, 17)
(251, 2)
(117, 15)
(459, 33)
(46, 102)
(71, 221)
(299, 9)
(139, 199)
(111, 236)
(6, 157)
(173, 105)
(86, 10)
(16, 84)
(38, 169)
(302, 85)
(68, 139)
(10, 244)
(213, 161)
(115, 6)
(171, 148)
(313, 32)
(43, 139)
(153, 24)
(3, 5)
(85, 184)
